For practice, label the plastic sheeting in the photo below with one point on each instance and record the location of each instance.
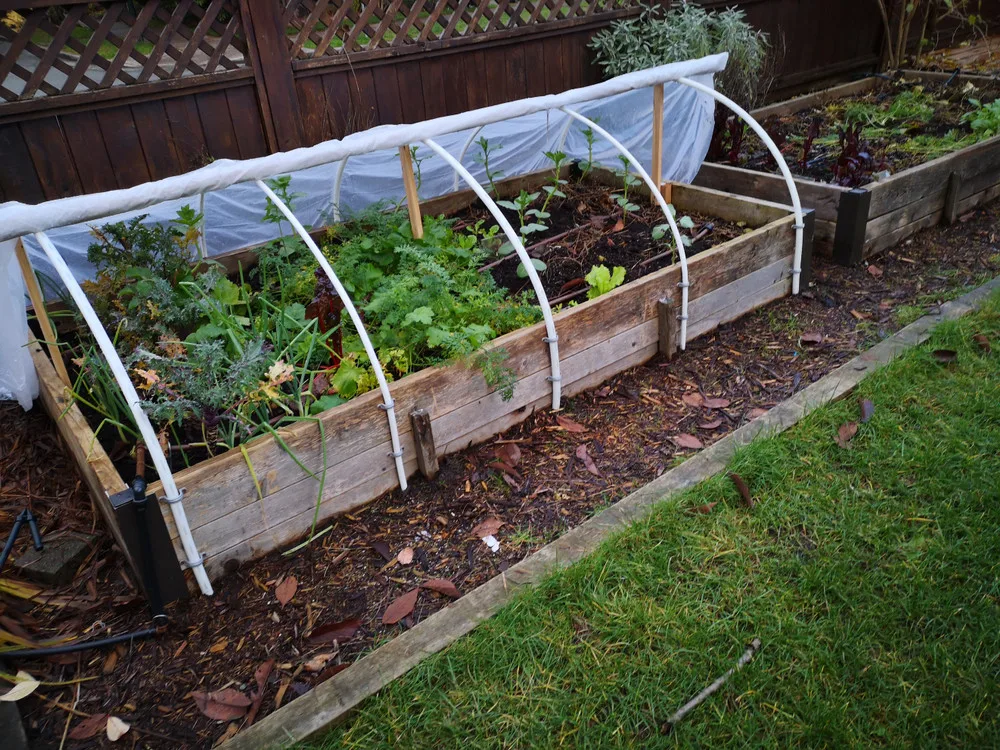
(17, 371)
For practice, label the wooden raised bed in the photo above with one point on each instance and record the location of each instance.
(853, 224)
(234, 519)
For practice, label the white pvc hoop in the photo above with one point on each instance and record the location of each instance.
(551, 338)
(172, 496)
(336, 187)
(465, 148)
(388, 405)
(655, 190)
(778, 157)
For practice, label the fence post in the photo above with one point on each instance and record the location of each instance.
(267, 45)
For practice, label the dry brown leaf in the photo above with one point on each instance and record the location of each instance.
(875, 271)
(983, 342)
(683, 440)
(509, 453)
(744, 491)
(319, 661)
(260, 675)
(89, 727)
(116, 728)
(230, 732)
(489, 527)
(569, 425)
(757, 412)
(383, 549)
(400, 607)
(335, 631)
(405, 556)
(218, 646)
(693, 399)
(286, 590)
(329, 672)
(710, 425)
(583, 455)
(222, 705)
(702, 509)
(716, 403)
(846, 433)
(945, 356)
(442, 586)
(619, 226)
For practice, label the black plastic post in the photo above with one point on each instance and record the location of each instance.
(852, 223)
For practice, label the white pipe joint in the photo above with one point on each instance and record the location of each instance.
(551, 338)
(174, 497)
(655, 190)
(388, 405)
(778, 157)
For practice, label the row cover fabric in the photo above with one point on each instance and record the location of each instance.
(17, 372)
(523, 130)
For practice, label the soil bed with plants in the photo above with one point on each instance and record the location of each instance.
(878, 159)
(284, 623)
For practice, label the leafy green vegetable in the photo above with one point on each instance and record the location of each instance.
(602, 280)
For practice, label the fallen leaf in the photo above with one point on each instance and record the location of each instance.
(405, 556)
(489, 527)
(757, 412)
(619, 226)
(286, 590)
(442, 586)
(335, 631)
(504, 468)
(583, 455)
(24, 686)
(716, 403)
(230, 732)
(330, 671)
(983, 342)
(867, 410)
(116, 728)
(222, 705)
(860, 315)
(702, 509)
(260, 675)
(219, 646)
(111, 661)
(383, 549)
(967, 217)
(89, 727)
(710, 425)
(319, 661)
(743, 489)
(400, 607)
(683, 440)
(845, 433)
(603, 392)
(875, 271)
(811, 338)
(509, 453)
(569, 425)
(693, 399)
(945, 356)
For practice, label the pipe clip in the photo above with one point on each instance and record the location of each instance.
(554, 378)
(796, 271)
(682, 317)
(390, 405)
(684, 284)
(188, 565)
(551, 339)
(798, 226)
(174, 500)
(395, 454)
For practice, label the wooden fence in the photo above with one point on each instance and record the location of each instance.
(103, 95)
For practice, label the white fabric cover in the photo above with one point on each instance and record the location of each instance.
(17, 371)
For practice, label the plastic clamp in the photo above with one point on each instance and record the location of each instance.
(796, 271)
(682, 317)
(551, 339)
(554, 378)
(390, 405)
(174, 500)
(798, 226)
(190, 565)
(683, 284)
(395, 454)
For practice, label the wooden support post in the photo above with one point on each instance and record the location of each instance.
(412, 199)
(667, 191)
(667, 318)
(852, 224)
(423, 440)
(657, 171)
(951, 198)
(38, 303)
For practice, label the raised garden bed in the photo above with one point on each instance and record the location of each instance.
(238, 515)
(855, 222)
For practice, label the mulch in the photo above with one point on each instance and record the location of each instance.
(537, 480)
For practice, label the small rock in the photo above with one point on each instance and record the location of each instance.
(56, 564)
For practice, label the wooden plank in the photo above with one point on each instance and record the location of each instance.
(496, 76)
(889, 239)
(186, 132)
(390, 106)
(245, 115)
(412, 199)
(476, 87)
(93, 164)
(18, 178)
(432, 79)
(157, 143)
(754, 211)
(951, 198)
(455, 92)
(824, 198)
(657, 161)
(423, 443)
(312, 101)
(364, 103)
(411, 91)
(217, 125)
(668, 332)
(815, 99)
(52, 158)
(852, 225)
(123, 146)
(41, 313)
(534, 67)
(888, 224)
(338, 101)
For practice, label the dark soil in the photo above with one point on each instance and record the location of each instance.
(880, 150)
(538, 491)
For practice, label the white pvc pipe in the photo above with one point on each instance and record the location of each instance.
(173, 497)
(203, 240)
(468, 143)
(336, 187)
(778, 157)
(565, 134)
(551, 338)
(655, 190)
(387, 403)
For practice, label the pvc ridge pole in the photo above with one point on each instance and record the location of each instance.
(551, 338)
(468, 144)
(655, 190)
(173, 497)
(336, 187)
(388, 405)
(778, 157)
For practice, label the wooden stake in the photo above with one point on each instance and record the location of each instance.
(667, 191)
(423, 440)
(657, 172)
(412, 199)
(667, 318)
(41, 313)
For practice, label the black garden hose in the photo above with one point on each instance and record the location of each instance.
(71, 648)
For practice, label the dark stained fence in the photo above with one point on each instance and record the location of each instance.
(103, 95)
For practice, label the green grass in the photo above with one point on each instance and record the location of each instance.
(870, 573)
(82, 34)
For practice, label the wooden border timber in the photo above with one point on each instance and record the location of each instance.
(855, 224)
(233, 521)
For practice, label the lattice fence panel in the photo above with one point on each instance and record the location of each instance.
(80, 47)
(324, 28)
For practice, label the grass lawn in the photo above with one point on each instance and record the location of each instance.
(871, 573)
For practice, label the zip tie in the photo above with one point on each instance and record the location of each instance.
(551, 339)
(199, 564)
(554, 378)
(395, 454)
(390, 405)
(174, 500)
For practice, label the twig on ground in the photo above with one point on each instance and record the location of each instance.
(698, 699)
